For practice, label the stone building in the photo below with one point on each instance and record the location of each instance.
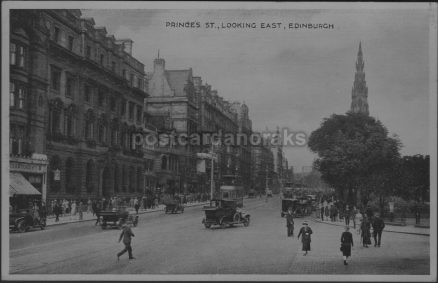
(86, 94)
(27, 159)
(359, 92)
(216, 116)
(172, 105)
(262, 166)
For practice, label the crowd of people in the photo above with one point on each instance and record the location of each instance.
(76, 207)
(336, 211)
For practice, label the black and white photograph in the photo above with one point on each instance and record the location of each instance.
(243, 141)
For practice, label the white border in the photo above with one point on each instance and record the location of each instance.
(432, 7)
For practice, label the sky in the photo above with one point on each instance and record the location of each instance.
(295, 78)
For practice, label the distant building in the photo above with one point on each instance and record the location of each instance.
(359, 92)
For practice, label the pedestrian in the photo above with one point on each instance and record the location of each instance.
(126, 235)
(378, 225)
(321, 207)
(290, 222)
(326, 212)
(73, 207)
(346, 244)
(57, 211)
(365, 232)
(97, 211)
(136, 206)
(94, 207)
(353, 216)
(347, 215)
(80, 210)
(89, 206)
(306, 238)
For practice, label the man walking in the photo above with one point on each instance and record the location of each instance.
(378, 225)
(126, 235)
(290, 222)
(306, 239)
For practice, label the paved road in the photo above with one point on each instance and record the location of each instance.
(179, 244)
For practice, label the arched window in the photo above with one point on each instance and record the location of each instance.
(90, 176)
(116, 178)
(69, 178)
(54, 174)
(132, 179)
(164, 162)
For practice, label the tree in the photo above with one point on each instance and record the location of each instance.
(355, 154)
(413, 181)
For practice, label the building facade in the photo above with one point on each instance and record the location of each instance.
(87, 100)
(172, 106)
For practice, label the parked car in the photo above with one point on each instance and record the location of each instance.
(224, 212)
(25, 219)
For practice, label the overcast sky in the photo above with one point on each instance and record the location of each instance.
(295, 78)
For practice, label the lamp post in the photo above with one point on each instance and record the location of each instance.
(212, 168)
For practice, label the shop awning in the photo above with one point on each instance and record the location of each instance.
(20, 186)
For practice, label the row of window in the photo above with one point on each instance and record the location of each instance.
(101, 98)
(69, 120)
(68, 41)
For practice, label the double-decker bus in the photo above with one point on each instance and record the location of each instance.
(231, 190)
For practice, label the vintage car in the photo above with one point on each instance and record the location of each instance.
(268, 192)
(174, 206)
(224, 212)
(117, 217)
(25, 219)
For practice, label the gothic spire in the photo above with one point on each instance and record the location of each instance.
(359, 93)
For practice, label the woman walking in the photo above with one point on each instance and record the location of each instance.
(346, 244)
(305, 239)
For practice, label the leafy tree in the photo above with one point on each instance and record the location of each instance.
(355, 154)
(413, 181)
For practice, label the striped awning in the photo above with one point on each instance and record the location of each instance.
(20, 186)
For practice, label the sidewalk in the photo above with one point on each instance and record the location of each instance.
(408, 229)
(88, 216)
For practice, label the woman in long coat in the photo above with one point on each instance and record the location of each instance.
(305, 239)
(346, 244)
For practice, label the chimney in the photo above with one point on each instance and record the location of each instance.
(127, 45)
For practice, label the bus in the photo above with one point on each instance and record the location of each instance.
(231, 190)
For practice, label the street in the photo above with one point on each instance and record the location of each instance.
(180, 244)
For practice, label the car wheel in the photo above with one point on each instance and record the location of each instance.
(207, 225)
(282, 215)
(21, 226)
(246, 223)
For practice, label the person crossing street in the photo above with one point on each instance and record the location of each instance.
(290, 222)
(126, 235)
